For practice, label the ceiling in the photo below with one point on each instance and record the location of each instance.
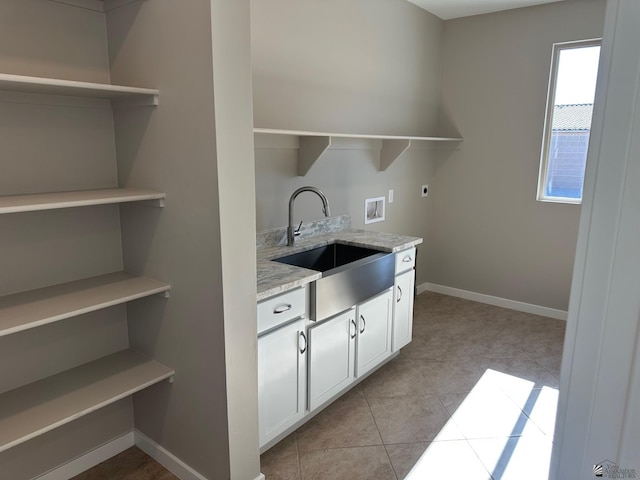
(447, 9)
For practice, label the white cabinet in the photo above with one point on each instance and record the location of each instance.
(374, 332)
(282, 378)
(405, 260)
(403, 310)
(403, 298)
(279, 309)
(331, 357)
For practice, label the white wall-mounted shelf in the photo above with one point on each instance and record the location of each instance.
(314, 144)
(34, 308)
(81, 198)
(54, 86)
(42, 406)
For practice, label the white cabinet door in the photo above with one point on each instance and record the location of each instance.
(282, 379)
(331, 357)
(403, 310)
(374, 332)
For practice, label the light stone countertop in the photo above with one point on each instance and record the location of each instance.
(274, 278)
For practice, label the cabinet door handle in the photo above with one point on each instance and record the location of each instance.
(304, 337)
(364, 324)
(399, 294)
(355, 329)
(282, 308)
(407, 259)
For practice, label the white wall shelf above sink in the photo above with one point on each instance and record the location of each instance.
(312, 145)
(119, 94)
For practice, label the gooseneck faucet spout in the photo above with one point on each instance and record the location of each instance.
(291, 233)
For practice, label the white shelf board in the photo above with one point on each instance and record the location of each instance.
(56, 86)
(82, 198)
(302, 133)
(34, 308)
(314, 144)
(42, 406)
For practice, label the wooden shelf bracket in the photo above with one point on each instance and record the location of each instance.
(391, 150)
(311, 149)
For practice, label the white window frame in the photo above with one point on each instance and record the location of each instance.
(548, 119)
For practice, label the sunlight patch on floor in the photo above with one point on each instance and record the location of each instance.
(502, 430)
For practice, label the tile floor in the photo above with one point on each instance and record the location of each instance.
(472, 397)
(132, 464)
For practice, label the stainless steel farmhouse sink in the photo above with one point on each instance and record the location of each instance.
(350, 275)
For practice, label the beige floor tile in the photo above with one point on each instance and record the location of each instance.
(404, 456)
(357, 463)
(412, 419)
(541, 409)
(448, 460)
(281, 461)
(515, 458)
(398, 378)
(132, 464)
(453, 375)
(551, 363)
(347, 422)
(522, 368)
(487, 412)
(452, 401)
(422, 348)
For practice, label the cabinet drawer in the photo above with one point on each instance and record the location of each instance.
(405, 260)
(280, 309)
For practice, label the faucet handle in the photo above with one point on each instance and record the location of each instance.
(296, 232)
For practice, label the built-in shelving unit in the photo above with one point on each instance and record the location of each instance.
(312, 145)
(39, 407)
(83, 198)
(39, 307)
(56, 86)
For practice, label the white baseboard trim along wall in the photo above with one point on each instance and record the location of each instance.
(491, 300)
(119, 445)
(165, 458)
(91, 459)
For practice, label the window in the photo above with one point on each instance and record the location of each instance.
(572, 86)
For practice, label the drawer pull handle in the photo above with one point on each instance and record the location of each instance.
(399, 294)
(282, 308)
(355, 329)
(407, 259)
(364, 324)
(303, 349)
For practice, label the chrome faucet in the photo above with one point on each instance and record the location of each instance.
(291, 233)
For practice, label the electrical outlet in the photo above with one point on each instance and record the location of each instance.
(424, 191)
(391, 196)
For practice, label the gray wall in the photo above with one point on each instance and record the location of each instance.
(172, 148)
(46, 146)
(197, 148)
(345, 66)
(488, 233)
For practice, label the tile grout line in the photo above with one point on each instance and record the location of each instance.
(298, 456)
(384, 445)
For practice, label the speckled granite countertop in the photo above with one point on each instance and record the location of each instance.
(276, 277)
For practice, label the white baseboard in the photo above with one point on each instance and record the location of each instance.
(119, 445)
(91, 459)
(491, 300)
(165, 458)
